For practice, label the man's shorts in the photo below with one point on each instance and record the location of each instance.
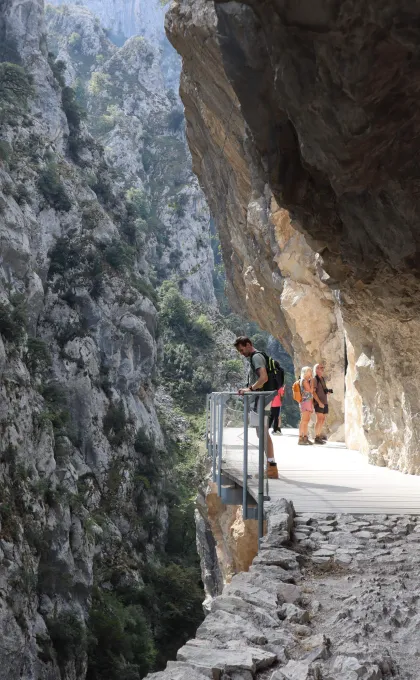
(321, 410)
(254, 418)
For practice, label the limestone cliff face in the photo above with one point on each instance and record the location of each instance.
(313, 105)
(271, 270)
(226, 542)
(86, 237)
(125, 18)
(78, 355)
(139, 122)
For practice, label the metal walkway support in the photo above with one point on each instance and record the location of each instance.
(216, 407)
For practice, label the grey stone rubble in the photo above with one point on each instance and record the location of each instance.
(337, 600)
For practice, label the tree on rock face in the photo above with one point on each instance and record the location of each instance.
(121, 643)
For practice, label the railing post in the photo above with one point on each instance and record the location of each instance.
(214, 425)
(261, 434)
(220, 443)
(208, 421)
(245, 461)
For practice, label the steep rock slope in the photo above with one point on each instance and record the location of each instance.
(319, 99)
(125, 18)
(90, 481)
(271, 270)
(140, 124)
(78, 354)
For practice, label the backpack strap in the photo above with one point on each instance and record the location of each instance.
(263, 354)
(323, 383)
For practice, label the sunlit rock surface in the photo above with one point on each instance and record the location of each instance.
(316, 105)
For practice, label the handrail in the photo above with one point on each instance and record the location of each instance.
(215, 408)
(257, 393)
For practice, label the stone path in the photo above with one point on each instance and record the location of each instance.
(326, 478)
(329, 597)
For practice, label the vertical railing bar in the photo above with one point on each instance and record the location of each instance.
(245, 461)
(208, 398)
(261, 433)
(220, 443)
(214, 424)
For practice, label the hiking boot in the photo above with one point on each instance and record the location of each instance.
(301, 441)
(319, 440)
(308, 442)
(272, 471)
(324, 438)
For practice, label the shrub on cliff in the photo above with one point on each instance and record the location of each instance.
(15, 89)
(74, 112)
(119, 255)
(52, 189)
(174, 309)
(13, 319)
(38, 357)
(120, 639)
(174, 597)
(115, 424)
(68, 636)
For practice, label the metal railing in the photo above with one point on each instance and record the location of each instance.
(215, 414)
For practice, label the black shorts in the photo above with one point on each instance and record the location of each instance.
(321, 410)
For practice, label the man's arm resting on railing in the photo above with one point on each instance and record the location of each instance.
(262, 379)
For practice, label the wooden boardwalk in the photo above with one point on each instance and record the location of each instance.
(327, 478)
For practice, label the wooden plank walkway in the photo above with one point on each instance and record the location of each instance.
(327, 478)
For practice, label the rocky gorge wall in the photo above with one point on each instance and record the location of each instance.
(311, 104)
(97, 211)
(125, 19)
(138, 120)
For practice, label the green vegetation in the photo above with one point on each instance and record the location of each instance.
(38, 357)
(14, 503)
(63, 257)
(137, 203)
(75, 40)
(173, 597)
(15, 90)
(74, 112)
(58, 68)
(121, 645)
(51, 187)
(143, 444)
(119, 255)
(56, 407)
(13, 319)
(5, 150)
(115, 424)
(68, 636)
(179, 204)
(188, 366)
(99, 83)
